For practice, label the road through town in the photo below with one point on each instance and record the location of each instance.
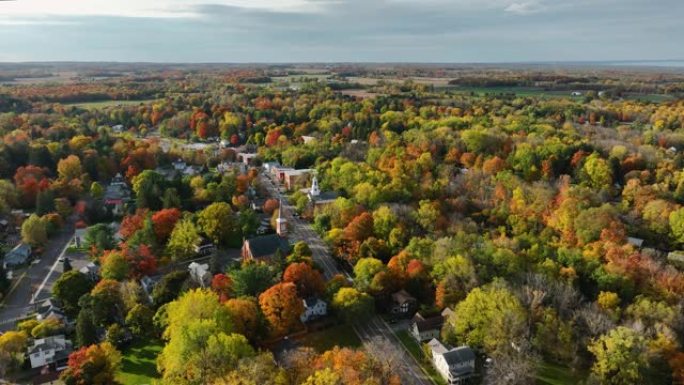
(410, 371)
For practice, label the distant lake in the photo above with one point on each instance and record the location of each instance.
(647, 63)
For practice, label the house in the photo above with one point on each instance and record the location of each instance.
(118, 128)
(18, 256)
(426, 328)
(309, 139)
(576, 93)
(296, 178)
(268, 166)
(205, 247)
(318, 197)
(49, 350)
(676, 258)
(91, 270)
(636, 242)
(456, 365)
(264, 247)
(50, 308)
(200, 273)
(117, 194)
(148, 283)
(314, 308)
(279, 172)
(246, 158)
(403, 302)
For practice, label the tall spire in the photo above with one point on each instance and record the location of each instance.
(314, 191)
(281, 222)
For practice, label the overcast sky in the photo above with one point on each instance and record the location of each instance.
(341, 30)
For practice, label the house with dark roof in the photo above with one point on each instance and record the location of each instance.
(403, 302)
(314, 308)
(318, 197)
(426, 328)
(264, 247)
(18, 256)
(456, 365)
(49, 350)
(117, 194)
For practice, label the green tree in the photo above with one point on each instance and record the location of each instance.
(677, 225)
(168, 288)
(365, 270)
(148, 187)
(34, 231)
(114, 266)
(352, 304)
(252, 279)
(621, 357)
(491, 318)
(69, 288)
(217, 222)
(183, 241)
(139, 320)
(597, 172)
(99, 238)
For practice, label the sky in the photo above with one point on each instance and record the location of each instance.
(279, 31)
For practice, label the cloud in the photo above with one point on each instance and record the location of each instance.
(342, 30)
(524, 8)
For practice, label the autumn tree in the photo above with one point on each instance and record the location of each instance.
(281, 307)
(34, 231)
(12, 350)
(352, 304)
(309, 282)
(244, 312)
(114, 266)
(164, 222)
(217, 222)
(621, 357)
(183, 240)
(94, 364)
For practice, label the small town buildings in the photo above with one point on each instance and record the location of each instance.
(676, 258)
(281, 222)
(49, 350)
(636, 242)
(318, 197)
(148, 283)
(91, 270)
(309, 139)
(200, 273)
(18, 256)
(118, 128)
(403, 302)
(264, 247)
(205, 247)
(455, 365)
(296, 178)
(50, 308)
(269, 166)
(314, 308)
(246, 158)
(279, 172)
(117, 194)
(426, 328)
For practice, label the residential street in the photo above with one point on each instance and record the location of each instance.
(300, 230)
(30, 279)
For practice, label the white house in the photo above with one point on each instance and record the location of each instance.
(426, 328)
(200, 273)
(49, 350)
(456, 365)
(313, 308)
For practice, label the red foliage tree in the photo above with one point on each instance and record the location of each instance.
(163, 222)
(222, 285)
(30, 180)
(308, 281)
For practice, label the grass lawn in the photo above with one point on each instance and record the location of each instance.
(417, 352)
(108, 103)
(339, 335)
(554, 374)
(139, 366)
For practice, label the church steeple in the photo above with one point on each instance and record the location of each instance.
(314, 191)
(281, 222)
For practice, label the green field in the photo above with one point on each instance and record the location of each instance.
(339, 335)
(109, 103)
(417, 353)
(554, 374)
(139, 366)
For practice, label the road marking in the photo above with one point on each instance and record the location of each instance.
(14, 287)
(54, 266)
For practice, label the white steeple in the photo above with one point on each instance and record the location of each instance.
(281, 222)
(314, 191)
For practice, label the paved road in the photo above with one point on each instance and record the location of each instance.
(29, 280)
(300, 230)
